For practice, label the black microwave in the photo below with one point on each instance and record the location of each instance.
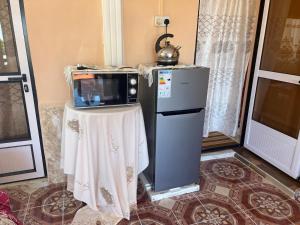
(102, 89)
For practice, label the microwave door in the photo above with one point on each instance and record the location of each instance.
(100, 90)
(88, 92)
(115, 89)
(111, 91)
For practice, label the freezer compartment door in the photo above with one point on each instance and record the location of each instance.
(178, 149)
(181, 89)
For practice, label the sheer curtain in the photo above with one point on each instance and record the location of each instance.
(226, 31)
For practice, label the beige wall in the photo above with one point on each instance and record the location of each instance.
(62, 32)
(140, 34)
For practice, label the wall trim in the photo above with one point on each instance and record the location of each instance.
(112, 32)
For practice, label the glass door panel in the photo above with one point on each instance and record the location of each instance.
(8, 56)
(274, 114)
(13, 118)
(19, 127)
(281, 51)
(277, 106)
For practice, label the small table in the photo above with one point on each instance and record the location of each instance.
(103, 151)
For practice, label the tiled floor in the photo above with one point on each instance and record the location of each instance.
(231, 193)
(37, 203)
(261, 165)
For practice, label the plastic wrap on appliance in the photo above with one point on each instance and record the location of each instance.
(146, 70)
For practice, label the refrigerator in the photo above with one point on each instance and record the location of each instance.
(173, 108)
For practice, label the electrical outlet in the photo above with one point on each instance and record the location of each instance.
(159, 20)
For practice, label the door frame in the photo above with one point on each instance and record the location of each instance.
(112, 16)
(33, 87)
(253, 69)
(256, 73)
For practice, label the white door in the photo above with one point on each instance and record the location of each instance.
(274, 115)
(21, 155)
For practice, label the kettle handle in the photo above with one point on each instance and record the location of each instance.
(157, 44)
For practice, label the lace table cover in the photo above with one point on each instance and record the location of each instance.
(103, 151)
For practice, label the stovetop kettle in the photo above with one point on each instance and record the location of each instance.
(168, 54)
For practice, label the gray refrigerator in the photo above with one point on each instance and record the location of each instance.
(173, 108)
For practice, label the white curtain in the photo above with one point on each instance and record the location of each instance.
(226, 31)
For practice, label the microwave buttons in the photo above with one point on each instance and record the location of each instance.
(133, 81)
(132, 91)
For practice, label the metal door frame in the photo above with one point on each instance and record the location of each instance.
(256, 73)
(15, 5)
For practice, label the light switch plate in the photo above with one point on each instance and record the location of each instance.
(159, 20)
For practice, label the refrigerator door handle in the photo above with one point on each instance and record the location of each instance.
(181, 112)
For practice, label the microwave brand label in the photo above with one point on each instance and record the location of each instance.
(164, 83)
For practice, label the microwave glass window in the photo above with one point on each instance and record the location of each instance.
(101, 90)
(111, 92)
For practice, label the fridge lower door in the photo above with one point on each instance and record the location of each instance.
(178, 149)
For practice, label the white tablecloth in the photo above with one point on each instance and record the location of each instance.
(103, 151)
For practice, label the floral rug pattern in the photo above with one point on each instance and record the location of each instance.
(231, 194)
